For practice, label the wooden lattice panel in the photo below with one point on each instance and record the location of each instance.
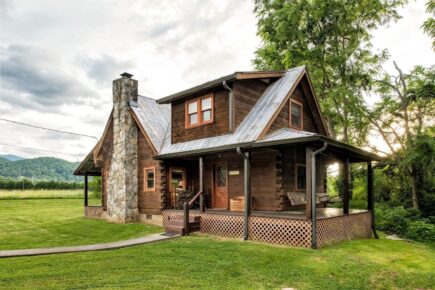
(280, 231)
(330, 230)
(222, 225)
(94, 211)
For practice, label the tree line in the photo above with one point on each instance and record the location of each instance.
(25, 184)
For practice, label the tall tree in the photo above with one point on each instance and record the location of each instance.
(405, 119)
(333, 39)
(429, 24)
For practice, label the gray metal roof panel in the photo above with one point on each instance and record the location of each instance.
(154, 118)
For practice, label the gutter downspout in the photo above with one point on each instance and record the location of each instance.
(246, 192)
(230, 107)
(313, 195)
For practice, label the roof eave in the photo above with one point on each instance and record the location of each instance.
(218, 82)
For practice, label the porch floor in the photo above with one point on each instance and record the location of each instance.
(327, 212)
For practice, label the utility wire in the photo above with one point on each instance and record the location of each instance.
(49, 129)
(36, 149)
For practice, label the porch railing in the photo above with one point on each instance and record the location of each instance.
(186, 207)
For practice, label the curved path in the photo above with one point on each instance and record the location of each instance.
(86, 248)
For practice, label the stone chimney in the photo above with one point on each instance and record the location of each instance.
(122, 197)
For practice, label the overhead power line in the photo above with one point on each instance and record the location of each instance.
(37, 149)
(49, 129)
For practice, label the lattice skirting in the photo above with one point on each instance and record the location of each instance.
(334, 229)
(281, 231)
(94, 211)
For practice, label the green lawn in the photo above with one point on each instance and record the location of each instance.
(34, 223)
(198, 261)
(204, 262)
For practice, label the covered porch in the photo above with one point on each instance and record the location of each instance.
(267, 213)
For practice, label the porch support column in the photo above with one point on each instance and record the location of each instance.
(201, 184)
(313, 187)
(370, 196)
(308, 183)
(86, 190)
(247, 194)
(346, 185)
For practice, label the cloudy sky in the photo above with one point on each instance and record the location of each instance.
(58, 58)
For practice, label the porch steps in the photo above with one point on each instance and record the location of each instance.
(176, 226)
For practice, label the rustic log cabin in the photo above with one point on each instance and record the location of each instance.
(242, 156)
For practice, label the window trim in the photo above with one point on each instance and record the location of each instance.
(198, 101)
(145, 172)
(296, 176)
(290, 114)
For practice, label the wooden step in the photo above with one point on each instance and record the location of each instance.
(177, 227)
(181, 223)
(191, 219)
(174, 229)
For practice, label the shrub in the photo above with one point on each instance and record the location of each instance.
(393, 220)
(421, 231)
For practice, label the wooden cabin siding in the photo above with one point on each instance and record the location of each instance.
(283, 118)
(246, 95)
(149, 202)
(219, 126)
(263, 180)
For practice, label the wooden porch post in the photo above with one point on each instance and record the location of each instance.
(346, 185)
(370, 196)
(308, 184)
(247, 194)
(201, 184)
(86, 189)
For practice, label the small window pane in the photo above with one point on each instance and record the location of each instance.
(150, 179)
(193, 119)
(221, 173)
(206, 115)
(206, 104)
(296, 115)
(193, 107)
(301, 177)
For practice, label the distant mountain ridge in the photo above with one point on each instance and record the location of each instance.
(42, 168)
(11, 157)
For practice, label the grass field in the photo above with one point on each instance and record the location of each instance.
(198, 261)
(33, 223)
(203, 262)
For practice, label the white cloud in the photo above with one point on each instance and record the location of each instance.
(58, 58)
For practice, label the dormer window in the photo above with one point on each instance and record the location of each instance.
(296, 114)
(199, 111)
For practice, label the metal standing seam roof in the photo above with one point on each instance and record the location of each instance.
(154, 118)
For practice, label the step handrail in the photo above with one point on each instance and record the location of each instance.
(186, 214)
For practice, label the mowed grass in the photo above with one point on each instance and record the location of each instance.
(34, 223)
(41, 193)
(204, 262)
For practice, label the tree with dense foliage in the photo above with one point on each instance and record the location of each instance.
(333, 39)
(429, 24)
(405, 120)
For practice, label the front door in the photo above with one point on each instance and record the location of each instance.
(220, 180)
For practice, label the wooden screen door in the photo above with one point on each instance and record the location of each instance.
(220, 180)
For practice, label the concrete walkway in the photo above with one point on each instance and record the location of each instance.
(86, 248)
